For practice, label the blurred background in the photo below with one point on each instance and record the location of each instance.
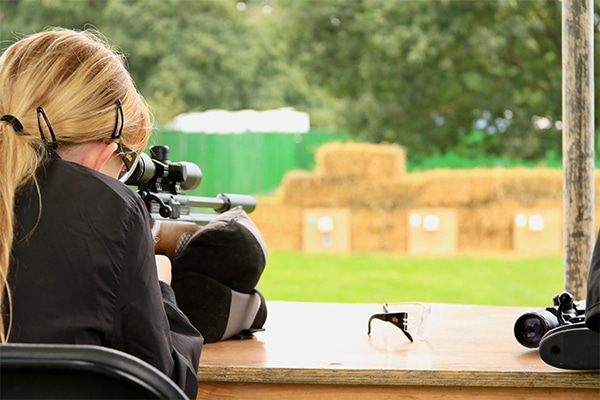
(454, 79)
(456, 84)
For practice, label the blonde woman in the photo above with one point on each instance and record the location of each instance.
(77, 261)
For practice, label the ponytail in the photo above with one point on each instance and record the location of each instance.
(17, 168)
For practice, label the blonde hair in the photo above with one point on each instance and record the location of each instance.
(76, 77)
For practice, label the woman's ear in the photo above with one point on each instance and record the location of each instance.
(94, 155)
(106, 154)
(98, 154)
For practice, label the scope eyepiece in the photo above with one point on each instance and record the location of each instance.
(144, 171)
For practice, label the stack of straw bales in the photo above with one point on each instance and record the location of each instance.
(360, 161)
(371, 181)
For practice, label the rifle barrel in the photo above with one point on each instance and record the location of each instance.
(224, 202)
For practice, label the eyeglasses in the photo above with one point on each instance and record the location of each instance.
(411, 318)
(129, 157)
(130, 161)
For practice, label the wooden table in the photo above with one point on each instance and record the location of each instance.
(322, 351)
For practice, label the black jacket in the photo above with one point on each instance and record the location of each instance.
(592, 311)
(83, 272)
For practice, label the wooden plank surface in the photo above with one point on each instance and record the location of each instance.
(245, 391)
(307, 344)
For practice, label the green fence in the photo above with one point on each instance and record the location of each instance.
(248, 163)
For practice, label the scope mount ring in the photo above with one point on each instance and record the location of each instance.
(164, 210)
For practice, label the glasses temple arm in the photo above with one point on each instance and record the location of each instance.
(393, 318)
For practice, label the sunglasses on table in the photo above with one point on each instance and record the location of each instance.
(410, 318)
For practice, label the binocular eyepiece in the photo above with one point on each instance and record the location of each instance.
(531, 327)
(158, 173)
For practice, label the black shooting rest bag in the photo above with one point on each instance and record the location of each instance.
(215, 277)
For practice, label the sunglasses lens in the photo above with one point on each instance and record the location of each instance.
(417, 317)
(130, 160)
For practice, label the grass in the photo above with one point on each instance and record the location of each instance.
(379, 277)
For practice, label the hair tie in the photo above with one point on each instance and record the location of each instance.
(16, 124)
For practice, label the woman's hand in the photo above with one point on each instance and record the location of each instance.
(163, 265)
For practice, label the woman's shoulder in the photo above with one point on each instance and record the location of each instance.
(73, 181)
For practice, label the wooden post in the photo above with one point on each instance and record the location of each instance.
(578, 142)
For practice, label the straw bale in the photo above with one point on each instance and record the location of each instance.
(280, 225)
(528, 186)
(378, 229)
(486, 228)
(360, 161)
(597, 188)
(293, 186)
(360, 177)
(452, 188)
(302, 189)
(458, 188)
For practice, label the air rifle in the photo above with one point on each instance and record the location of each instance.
(160, 185)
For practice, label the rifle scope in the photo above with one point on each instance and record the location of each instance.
(160, 182)
(158, 173)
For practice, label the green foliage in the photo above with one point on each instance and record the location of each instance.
(453, 161)
(436, 76)
(379, 278)
(184, 55)
(421, 73)
(470, 152)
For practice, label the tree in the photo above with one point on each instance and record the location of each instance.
(472, 77)
(423, 73)
(184, 55)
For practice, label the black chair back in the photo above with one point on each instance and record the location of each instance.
(49, 371)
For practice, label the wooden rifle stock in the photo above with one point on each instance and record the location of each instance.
(167, 235)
